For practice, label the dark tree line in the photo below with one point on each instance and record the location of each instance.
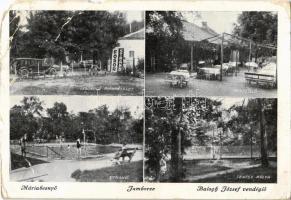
(100, 125)
(61, 34)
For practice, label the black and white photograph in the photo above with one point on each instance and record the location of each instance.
(76, 52)
(210, 140)
(164, 99)
(211, 53)
(76, 139)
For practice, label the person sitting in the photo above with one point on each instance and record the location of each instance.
(123, 151)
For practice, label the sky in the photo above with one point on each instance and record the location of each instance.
(130, 16)
(134, 15)
(220, 21)
(85, 103)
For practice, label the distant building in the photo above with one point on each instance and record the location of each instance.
(130, 49)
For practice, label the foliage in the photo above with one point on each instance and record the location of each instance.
(25, 118)
(100, 125)
(163, 37)
(260, 27)
(165, 119)
(14, 32)
(241, 124)
(60, 33)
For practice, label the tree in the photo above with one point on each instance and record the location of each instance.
(95, 33)
(101, 124)
(25, 118)
(137, 131)
(60, 33)
(261, 27)
(171, 125)
(14, 32)
(43, 30)
(58, 119)
(163, 37)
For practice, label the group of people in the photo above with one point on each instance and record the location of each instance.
(122, 153)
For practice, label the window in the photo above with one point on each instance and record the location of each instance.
(131, 53)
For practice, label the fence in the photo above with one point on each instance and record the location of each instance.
(68, 152)
(214, 152)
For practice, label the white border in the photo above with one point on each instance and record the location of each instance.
(281, 190)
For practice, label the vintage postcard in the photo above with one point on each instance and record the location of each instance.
(145, 100)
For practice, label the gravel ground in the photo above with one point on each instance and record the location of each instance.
(78, 84)
(234, 86)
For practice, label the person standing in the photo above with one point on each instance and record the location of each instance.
(23, 145)
(78, 148)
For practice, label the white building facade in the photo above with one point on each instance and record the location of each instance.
(129, 51)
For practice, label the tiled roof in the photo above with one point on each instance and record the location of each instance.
(192, 32)
(138, 35)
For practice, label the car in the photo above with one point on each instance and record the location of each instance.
(86, 63)
(30, 66)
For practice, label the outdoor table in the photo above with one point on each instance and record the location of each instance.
(210, 72)
(225, 66)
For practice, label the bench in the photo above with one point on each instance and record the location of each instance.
(260, 79)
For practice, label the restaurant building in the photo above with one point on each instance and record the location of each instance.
(130, 50)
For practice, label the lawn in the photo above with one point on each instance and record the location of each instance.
(18, 161)
(253, 175)
(127, 172)
(192, 168)
(80, 85)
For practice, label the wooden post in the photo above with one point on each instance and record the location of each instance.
(38, 68)
(62, 68)
(191, 58)
(133, 66)
(84, 137)
(251, 143)
(276, 69)
(236, 69)
(73, 66)
(221, 56)
(213, 156)
(15, 70)
(250, 55)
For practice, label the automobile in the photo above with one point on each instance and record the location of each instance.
(65, 68)
(86, 63)
(179, 78)
(29, 66)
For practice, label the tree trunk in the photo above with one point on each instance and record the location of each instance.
(264, 156)
(176, 150)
